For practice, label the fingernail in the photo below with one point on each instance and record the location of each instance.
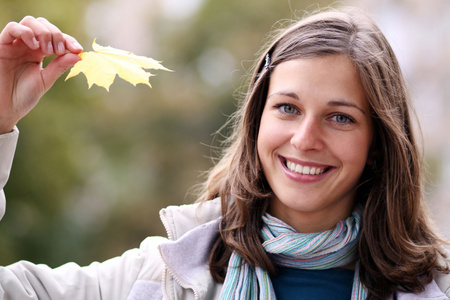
(35, 43)
(61, 48)
(50, 48)
(77, 45)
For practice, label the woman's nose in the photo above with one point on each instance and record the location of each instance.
(308, 135)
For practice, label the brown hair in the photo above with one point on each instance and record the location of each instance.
(398, 249)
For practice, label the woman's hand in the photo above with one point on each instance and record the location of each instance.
(23, 81)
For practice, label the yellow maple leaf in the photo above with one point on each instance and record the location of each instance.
(101, 66)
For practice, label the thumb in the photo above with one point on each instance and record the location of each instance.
(57, 67)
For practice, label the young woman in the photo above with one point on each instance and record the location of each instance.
(317, 196)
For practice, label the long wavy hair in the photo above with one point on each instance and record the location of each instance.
(398, 248)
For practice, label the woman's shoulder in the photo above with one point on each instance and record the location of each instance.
(180, 219)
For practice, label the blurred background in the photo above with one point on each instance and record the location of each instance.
(93, 168)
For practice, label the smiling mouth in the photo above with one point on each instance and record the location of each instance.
(305, 170)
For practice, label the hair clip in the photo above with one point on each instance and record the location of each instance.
(267, 64)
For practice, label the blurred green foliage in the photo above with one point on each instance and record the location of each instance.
(92, 168)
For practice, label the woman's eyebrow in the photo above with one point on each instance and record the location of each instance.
(345, 103)
(288, 94)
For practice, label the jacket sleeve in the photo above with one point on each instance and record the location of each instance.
(7, 147)
(109, 280)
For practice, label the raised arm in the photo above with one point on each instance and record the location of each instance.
(23, 81)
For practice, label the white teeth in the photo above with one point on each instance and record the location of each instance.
(305, 170)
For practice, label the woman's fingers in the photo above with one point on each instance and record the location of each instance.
(40, 33)
(55, 40)
(44, 32)
(14, 31)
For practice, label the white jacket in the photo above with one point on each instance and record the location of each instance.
(162, 268)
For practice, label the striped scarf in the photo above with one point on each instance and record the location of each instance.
(288, 248)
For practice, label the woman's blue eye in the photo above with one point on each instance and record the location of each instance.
(342, 119)
(288, 109)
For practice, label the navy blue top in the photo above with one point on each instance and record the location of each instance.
(293, 284)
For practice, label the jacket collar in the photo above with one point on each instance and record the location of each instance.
(187, 259)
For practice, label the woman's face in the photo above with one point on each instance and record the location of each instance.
(314, 140)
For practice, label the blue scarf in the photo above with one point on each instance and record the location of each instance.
(313, 251)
